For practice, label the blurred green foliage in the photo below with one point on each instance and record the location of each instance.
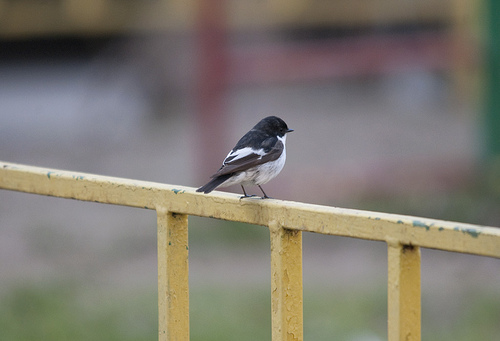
(60, 312)
(55, 312)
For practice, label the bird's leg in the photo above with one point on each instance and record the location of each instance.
(265, 195)
(245, 193)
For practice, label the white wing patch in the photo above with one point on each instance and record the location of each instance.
(241, 153)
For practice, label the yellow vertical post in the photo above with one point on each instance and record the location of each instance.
(173, 283)
(404, 306)
(286, 283)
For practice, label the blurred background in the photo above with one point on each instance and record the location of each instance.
(394, 106)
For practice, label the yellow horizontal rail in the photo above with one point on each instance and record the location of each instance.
(286, 220)
(392, 228)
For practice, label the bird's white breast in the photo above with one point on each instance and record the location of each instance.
(261, 174)
(270, 170)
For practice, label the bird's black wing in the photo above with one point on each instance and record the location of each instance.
(242, 159)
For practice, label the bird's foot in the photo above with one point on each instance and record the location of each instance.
(265, 195)
(247, 196)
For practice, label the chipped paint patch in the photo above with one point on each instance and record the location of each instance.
(49, 173)
(178, 191)
(418, 223)
(400, 222)
(408, 248)
(470, 231)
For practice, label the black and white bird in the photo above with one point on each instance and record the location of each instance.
(256, 159)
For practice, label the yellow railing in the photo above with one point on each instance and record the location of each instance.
(286, 220)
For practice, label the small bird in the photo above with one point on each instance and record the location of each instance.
(257, 158)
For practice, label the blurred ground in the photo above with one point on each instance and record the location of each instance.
(400, 136)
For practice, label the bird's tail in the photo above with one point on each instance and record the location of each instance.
(213, 184)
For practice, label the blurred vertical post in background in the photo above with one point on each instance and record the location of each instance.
(492, 91)
(211, 83)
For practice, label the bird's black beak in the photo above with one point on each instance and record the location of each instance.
(289, 130)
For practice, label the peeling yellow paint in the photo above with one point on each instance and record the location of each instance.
(404, 296)
(173, 271)
(286, 284)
